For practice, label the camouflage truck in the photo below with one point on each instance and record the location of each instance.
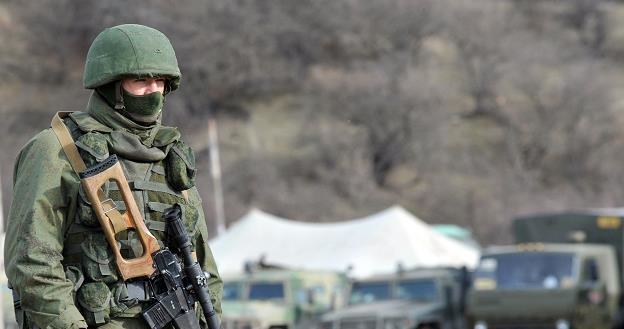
(280, 298)
(565, 271)
(416, 299)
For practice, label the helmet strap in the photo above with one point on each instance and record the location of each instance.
(119, 101)
(167, 87)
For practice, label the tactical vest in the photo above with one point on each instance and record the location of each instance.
(100, 292)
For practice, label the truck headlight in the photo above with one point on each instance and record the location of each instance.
(482, 325)
(562, 324)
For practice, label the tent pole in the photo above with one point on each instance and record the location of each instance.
(215, 170)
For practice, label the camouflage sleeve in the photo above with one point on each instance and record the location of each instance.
(42, 185)
(205, 257)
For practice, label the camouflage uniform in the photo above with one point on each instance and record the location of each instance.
(56, 257)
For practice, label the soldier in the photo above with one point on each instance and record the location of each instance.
(59, 265)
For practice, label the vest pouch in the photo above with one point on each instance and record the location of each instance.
(180, 167)
(93, 148)
(85, 213)
(74, 274)
(190, 216)
(94, 302)
(98, 261)
(120, 301)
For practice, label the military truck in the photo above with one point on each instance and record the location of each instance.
(280, 298)
(565, 271)
(416, 299)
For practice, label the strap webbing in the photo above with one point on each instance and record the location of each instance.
(157, 206)
(157, 226)
(114, 216)
(67, 142)
(144, 185)
(159, 170)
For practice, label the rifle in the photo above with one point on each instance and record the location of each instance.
(173, 300)
(173, 289)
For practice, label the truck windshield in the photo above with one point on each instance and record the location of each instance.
(537, 270)
(418, 290)
(232, 291)
(266, 291)
(368, 292)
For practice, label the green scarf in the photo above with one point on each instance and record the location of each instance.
(145, 143)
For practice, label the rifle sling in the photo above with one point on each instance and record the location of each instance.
(75, 160)
(67, 142)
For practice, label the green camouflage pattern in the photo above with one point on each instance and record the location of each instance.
(181, 167)
(306, 295)
(46, 229)
(130, 50)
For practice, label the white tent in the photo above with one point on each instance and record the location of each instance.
(371, 245)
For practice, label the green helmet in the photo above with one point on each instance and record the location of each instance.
(130, 50)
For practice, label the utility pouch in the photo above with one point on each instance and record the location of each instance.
(75, 275)
(93, 148)
(94, 301)
(120, 299)
(97, 259)
(85, 213)
(190, 216)
(180, 167)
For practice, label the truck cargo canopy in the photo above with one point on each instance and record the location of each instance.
(372, 245)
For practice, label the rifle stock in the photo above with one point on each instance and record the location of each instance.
(113, 222)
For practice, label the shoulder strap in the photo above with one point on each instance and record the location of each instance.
(67, 142)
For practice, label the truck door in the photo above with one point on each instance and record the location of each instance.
(592, 310)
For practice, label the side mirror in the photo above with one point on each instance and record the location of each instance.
(592, 271)
(590, 274)
(448, 299)
(310, 296)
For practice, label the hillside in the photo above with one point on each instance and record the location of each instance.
(462, 111)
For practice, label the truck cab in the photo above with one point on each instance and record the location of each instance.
(280, 298)
(564, 272)
(416, 299)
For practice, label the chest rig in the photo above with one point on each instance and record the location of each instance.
(156, 185)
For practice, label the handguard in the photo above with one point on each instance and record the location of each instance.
(114, 222)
